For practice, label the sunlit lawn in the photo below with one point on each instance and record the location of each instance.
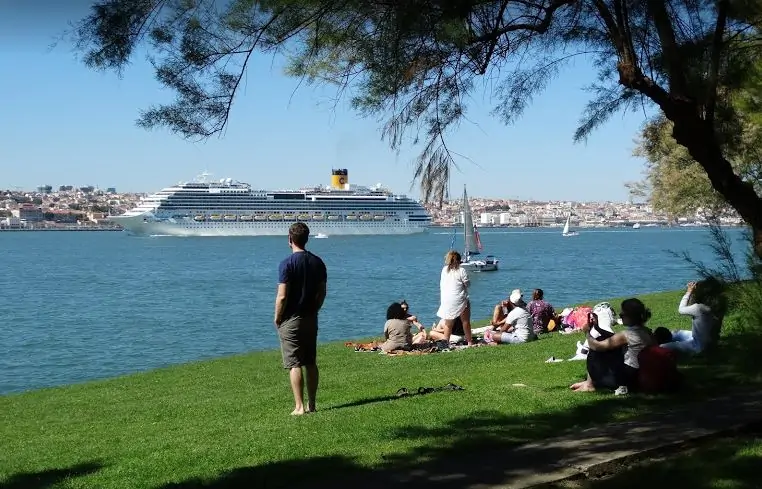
(225, 422)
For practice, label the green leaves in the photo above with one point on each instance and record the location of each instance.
(413, 64)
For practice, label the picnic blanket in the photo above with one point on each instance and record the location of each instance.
(422, 349)
(372, 346)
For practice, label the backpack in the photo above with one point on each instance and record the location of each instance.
(606, 315)
(658, 371)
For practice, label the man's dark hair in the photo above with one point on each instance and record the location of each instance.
(299, 233)
(662, 335)
(395, 311)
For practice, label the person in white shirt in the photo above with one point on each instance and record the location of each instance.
(704, 302)
(453, 297)
(517, 327)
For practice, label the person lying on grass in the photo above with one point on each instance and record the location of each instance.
(397, 330)
(605, 371)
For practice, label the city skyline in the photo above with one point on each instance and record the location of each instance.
(82, 132)
(454, 197)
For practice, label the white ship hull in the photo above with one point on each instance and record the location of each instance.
(146, 226)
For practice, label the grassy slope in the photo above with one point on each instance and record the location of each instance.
(198, 421)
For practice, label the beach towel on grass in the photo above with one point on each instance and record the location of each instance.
(372, 346)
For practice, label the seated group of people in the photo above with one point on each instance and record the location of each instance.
(623, 361)
(640, 359)
(514, 321)
(398, 333)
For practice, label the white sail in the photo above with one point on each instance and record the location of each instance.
(469, 236)
(566, 226)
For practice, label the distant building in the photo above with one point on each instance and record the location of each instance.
(29, 213)
(87, 190)
(96, 216)
(10, 223)
(44, 189)
(62, 217)
(65, 188)
(111, 190)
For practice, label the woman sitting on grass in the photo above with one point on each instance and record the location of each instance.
(499, 313)
(603, 372)
(437, 332)
(542, 312)
(517, 327)
(705, 303)
(397, 330)
(410, 317)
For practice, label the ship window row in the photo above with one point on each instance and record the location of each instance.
(189, 205)
(220, 212)
(308, 202)
(293, 211)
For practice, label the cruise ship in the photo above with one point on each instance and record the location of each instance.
(230, 208)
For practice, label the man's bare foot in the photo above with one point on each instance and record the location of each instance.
(297, 412)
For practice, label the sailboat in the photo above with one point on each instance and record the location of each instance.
(473, 244)
(566, 232)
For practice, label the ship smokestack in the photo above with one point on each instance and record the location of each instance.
(340, 179)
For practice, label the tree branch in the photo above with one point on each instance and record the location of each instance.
(539, 28)
(493, 43)
(669, 46)
(714, 73)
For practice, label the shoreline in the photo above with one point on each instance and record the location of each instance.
(78, 228)
(275, 351)
(225, 423)
(433, 226)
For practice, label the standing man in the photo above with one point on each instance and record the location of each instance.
(301, 292)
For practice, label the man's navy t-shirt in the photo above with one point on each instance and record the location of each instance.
(302, 272)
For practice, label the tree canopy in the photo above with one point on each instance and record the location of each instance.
(674, 182)
(414, 63)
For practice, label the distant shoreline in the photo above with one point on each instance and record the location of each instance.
(78, 228)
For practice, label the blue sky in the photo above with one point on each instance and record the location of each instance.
(65, 124)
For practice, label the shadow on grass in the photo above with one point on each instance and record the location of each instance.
(490, 448)
(49, 478)
(722, 465)
(363, 402)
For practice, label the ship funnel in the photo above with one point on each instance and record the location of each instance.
(340, 179)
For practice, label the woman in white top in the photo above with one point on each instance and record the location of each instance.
(453, 297)
(707, 318)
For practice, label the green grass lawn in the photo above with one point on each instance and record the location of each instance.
(727, 464)
(225, 423)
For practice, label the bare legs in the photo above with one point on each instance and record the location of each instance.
(312, 386)
(584, 386)
(465, 318)
(297, 387)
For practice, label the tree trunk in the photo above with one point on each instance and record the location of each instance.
(699, 138)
